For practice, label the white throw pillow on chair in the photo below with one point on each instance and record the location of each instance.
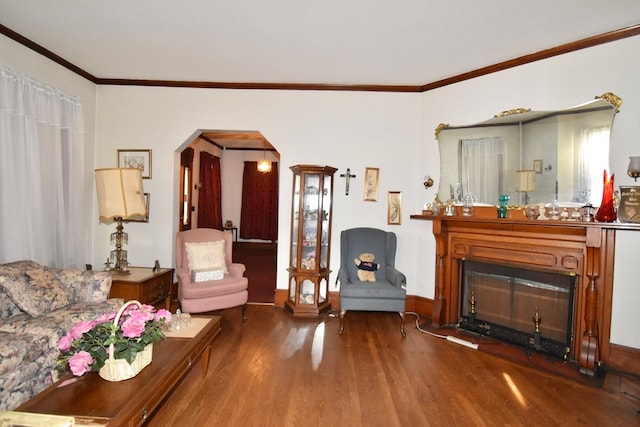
(206, 256)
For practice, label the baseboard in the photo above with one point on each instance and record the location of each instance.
(624, 359)
(280, 297)
(421, 305)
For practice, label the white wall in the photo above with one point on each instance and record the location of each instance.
(341, 129)
(392, 131)
(626, 292)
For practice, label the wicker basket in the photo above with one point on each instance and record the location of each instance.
(120, 369)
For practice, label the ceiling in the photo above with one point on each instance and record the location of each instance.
(313, 42)
(345, 42)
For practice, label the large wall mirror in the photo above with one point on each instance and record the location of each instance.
(531, 156)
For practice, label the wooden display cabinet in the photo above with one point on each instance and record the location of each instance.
(310, 240)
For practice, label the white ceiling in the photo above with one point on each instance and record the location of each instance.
(345, 42)
(329, 42)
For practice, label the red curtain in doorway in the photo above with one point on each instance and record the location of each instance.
(210, 194)
(259, 216)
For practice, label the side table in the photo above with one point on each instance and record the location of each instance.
(144, 285)
(234, 232)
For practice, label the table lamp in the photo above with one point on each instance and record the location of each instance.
(525, 183)
(120, 197)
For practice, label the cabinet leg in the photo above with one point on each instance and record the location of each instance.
(403, 318)
(341, 316)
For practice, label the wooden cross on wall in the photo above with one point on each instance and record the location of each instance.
(348, 176)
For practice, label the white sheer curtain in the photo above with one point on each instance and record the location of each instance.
(593, 159)
(482, 167)
(41, 173)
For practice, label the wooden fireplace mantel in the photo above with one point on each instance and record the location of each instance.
(586, 249)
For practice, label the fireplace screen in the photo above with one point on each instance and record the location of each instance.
(526, 307)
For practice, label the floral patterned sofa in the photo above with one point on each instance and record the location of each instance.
(38, 305)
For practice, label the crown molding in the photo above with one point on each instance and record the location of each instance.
(610, 36)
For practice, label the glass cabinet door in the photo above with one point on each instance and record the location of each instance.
(295, 217)
(310, 221)
(325, 222)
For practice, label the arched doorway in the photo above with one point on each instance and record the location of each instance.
(234, 151)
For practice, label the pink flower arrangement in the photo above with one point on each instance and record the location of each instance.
(86, 346)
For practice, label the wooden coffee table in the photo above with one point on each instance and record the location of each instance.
(129, 402)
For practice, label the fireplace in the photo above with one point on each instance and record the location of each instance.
(584, 251)
(531, 308)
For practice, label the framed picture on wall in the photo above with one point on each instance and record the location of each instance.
(138, 159)
(537, 166)
(394, 208)
(371, 177)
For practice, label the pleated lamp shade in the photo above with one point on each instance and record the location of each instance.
(120, 194)
(526, 180)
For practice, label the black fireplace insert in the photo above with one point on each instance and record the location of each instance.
(530, 308)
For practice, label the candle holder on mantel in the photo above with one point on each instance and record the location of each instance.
(503, 199)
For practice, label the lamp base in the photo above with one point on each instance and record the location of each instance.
(118, 256)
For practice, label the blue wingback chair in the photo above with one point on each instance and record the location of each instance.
(388, 292)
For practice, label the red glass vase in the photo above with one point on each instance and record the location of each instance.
(606, 211)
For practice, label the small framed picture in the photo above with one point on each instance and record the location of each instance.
(629, 209)
(537, 166)
(147, 203)
(394, 208)
(371, 177)
(137, 159)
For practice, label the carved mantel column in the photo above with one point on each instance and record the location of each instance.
(439, 304)
(589, 356)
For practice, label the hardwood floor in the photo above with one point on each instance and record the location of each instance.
(276, 370)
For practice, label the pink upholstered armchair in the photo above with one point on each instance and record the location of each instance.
(208, 279)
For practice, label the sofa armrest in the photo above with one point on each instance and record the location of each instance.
(395, 277)
(342, 277)
(88, 286)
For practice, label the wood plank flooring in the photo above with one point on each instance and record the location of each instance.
(276, 370)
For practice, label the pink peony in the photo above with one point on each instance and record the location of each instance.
(65, 343)
(133, 327)
(163, 314)
(81, 327)
(145, 312)
(80, 362)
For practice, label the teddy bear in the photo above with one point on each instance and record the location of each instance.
(366, 267)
